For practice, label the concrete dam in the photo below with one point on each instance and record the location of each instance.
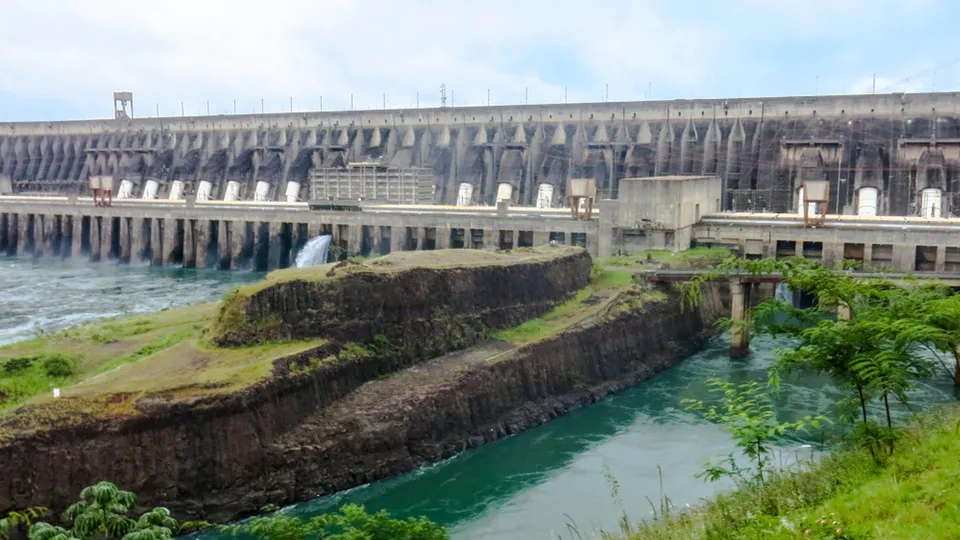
(236, 191)
(895, 146)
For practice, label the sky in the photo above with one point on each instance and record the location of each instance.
(63, 59)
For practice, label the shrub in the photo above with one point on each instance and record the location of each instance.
(59, 365)
(16, 365)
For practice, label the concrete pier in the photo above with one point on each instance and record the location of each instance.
(739, 303)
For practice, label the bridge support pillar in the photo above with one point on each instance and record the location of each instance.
(956, 368)
(843, 312)
(739, 334)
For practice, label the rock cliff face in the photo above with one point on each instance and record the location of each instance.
(418, 308)
(298, 436)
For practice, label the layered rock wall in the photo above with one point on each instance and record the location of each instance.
(300, 435)
(421, 309)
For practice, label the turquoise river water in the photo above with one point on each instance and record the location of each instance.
(529, 486)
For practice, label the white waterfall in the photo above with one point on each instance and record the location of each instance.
(315, 252)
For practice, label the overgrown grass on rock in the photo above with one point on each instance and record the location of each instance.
(604, 287)
(913, 495)
(26, 376)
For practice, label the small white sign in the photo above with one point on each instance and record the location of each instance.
(56, 393)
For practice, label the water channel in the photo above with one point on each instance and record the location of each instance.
(529, 486)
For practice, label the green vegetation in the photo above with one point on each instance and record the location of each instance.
(103, 514)
(23, 377)
(912, 495)
(407, 260)
(104, 368)
(890, 482)
(593, 300)
(747, 413)
(698, 257)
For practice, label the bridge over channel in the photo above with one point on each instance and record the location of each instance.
(744, 286)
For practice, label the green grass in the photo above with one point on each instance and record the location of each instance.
(698, 257)
(913, 495)
(26, 376)
(604, 287)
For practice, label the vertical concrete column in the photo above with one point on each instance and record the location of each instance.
(169, 240)
(157, 245)
(491, 238)
(905, 257)
(956, 367)
(867, 255)
(95, 238)
(106, 237)
(442, 238)
(843, 311)
(313, 230)
(138, 244)
(23, 234)
(76, 239)
(66, 231)
(189, 243)
(398, 238)
(236, 235)
(739, 335)
(941, 263)
(541, 238)
(223, 244)
(832, 254)
(201, 241)
(38, 230)
(354, 240)
(126, 239)
(273, 256)
(49, 234)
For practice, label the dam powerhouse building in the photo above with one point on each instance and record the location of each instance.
(237, 190)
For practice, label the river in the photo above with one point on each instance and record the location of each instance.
(527, 487)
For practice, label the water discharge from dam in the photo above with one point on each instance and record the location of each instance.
(314, 252)
(523, 487)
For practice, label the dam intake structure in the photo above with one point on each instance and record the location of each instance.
(887, 154)
(425, 343)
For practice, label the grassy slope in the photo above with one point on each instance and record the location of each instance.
(154, 353)
(699, 257)
(405, 260)
(913, 495)
(603, 293)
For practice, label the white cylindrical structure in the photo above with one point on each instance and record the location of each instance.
(176, 190)
(812, 207)
(293, 191)
(867, 199)
(232, 193)
(204, 188)
(126, 190)
(465, 195)
(504, 192)
(545, 196)
(262, 191)
(150, 190)
(931, 199)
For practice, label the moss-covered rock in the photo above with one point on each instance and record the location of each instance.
(425, 302)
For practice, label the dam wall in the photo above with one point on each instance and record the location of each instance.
(898, 145)
(298, 437)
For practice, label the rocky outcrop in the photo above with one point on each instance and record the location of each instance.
(418, 308)
(333, 427)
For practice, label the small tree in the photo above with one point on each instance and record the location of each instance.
(352, 522)
(748, 414)
(101, 513)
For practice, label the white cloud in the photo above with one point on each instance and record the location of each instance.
(188, 50)
(192, 51)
